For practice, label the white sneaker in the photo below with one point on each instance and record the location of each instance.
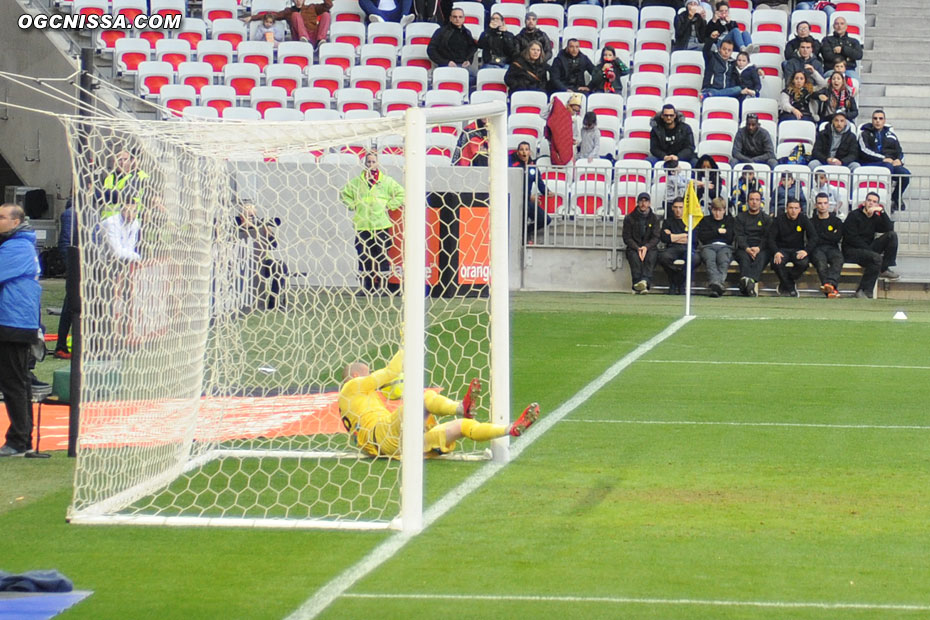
(406, 19)
(375, 19)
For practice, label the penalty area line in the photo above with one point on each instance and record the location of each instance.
(792, 364)
(338, 586)
(887, 427)
(619, 600)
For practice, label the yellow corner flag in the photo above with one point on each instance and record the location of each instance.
(692, 206)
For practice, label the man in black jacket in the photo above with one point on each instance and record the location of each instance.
(879, 146)
(875, 254)
(752, 252)
(827, 257)
(670, 138)
(531, 33)
(674, 235)
(840, 46)
(836, 145)
(791, 239)
(569, 68)
(452, 44)
(641, 237)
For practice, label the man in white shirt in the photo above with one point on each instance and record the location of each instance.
(122, 233)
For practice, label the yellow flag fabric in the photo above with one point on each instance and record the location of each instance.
(692, 206)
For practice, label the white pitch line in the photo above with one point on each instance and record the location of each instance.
(648, 601)
(792, 364)
(888, 427)
(337, 587)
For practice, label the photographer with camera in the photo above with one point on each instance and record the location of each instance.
(497, 45)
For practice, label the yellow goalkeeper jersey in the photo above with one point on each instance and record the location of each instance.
(370, 425)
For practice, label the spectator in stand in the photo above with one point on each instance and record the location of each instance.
(750, 78)
(751, 251)
(706, 179)
(607, 73)
(721, 79)
(840, 46)
(689, 27)
(834, 95)
(472, 147)
(746, 184)
(569, 69)
(676, 183)
(721, 28)
(840, 67)
(822, 186)
(670, 138)
(270, 29)
(589, 147)
(791, 239)
(781, 5)
(531, 33)
(309, 21)
(879, 146)
(788, 189)
(388, 11)
(820, 5)
(67, 235)
(452, 44)
(827, 257)
(716, 235)
(836, 145)
(675, 237)
(797, 101)
(498, 47)
(641, 232)
(805, 61)
(528, 71)
(870, 241)
(753, 143)
(535, 217)
(803, 33)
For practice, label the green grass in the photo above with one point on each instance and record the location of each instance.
(603, 505)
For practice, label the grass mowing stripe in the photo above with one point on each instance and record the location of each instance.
(791, 364)
(889, 427)
(386, 550)
(648, 601)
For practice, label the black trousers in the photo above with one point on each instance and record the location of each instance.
(676, 273)
(749, 268)
(373, 262)
(789, 275)
(17, 393)
(642, 269)
(882, 254)
(828, 261)
(64, 323)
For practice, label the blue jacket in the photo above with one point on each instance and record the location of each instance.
(19, 286)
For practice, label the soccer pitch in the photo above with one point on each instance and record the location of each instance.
(768, 459)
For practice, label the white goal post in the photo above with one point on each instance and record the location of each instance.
(224, 289)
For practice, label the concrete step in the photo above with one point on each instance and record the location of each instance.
(891, 68)
(895, 50)
(898, 114)
(894, 91)
(873, 101)
(907, 135)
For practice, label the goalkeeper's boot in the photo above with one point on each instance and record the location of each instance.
(471, 396)
(526, 419)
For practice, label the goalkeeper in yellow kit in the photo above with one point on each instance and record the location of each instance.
(376, 430)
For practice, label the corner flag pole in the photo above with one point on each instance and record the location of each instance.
(693, 212)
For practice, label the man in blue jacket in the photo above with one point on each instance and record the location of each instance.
(19, 322)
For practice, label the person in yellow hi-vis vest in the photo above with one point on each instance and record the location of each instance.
(126, 176)
(376, 430)
(370, 195)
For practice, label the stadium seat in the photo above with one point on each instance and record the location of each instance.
(419, 33)
(526, 124)
(105, 40)
(606, 104)
(176, 97)
(643, 105)
(438, 143)
(212, 10)
(392, 161)
(152, 76)
(348, 99)
(657, 39)
(867, 179)
(631, 178)
(282, 115)
(196, 74)
(378, 55)
(683, 84)
(371, 78)
(588, 15)
(491, 79)
(340, 55)
(589, 197)
(607, 147)
(633, 148)
(216, 53)
(797, 131)
(287, 76)
(199, 113)
(260, 53)
(242, 76)
(839, 178)
(415, 79)
(609, 126)
(740, 4)
(152, 36)
(817, 20)
(657, 17)
(587, 37)
(347, 11)
(385, 33)
(351, 33)
(852, 6)
(451, 78)
(241, 114)
(652, 84)
(260, 7)
(720, 150)
(441, 98)
(618, 16)
(173, 51)
(769, 63)
(395, 100)
(770, 21)
(719, 129)
(528, 102)
(623, 39)
(263, 98)
(766, 109)
(90, 7)
(486, 96)
(687, 61)
(391, 145)
(329, 77)
(549, 15)
(637, 127)
(298, 53)
(513, 14)
(218, 97)
(770, 43)
(167, 7)
(556, 181)
(193, 30)
(312, 98)
(743, 18)
(651, 61)
(129, 53)
(415, 56)
(130, 8)
(231, 30)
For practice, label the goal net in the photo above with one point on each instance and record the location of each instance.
(230, 271)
